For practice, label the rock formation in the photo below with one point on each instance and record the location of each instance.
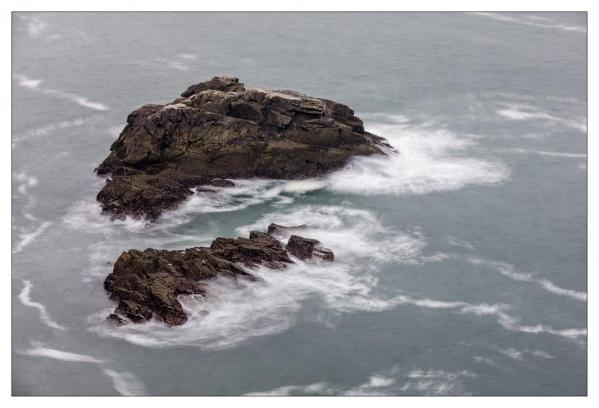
(306, 248)
(147, 283)
(219, 130)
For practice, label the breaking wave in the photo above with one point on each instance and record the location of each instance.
(426, 160)
(235, 311)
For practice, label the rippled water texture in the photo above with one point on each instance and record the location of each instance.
(460, 258)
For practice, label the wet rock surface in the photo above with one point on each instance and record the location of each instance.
(219, 130)
(306, 248)
(147, 283)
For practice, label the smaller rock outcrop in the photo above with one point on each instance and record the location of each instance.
(306, 248)
(147, 283)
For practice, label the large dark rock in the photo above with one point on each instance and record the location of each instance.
(220, 130)
(147, 283)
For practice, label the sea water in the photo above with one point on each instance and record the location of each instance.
(460, 258)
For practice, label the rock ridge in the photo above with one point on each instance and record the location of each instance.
(147, 283)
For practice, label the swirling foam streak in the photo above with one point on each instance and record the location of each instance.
(25, 298)
(393, 382)
(125, 383)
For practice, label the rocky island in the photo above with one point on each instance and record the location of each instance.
(219, 130)
(147, 283)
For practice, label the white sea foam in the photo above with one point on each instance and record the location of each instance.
(236, 311)
(393, 382)
(380, 381)
(27, 82)
(503, 268)
(438, 257)
(26, 182)
(553, 288)
(83, 101)
(27, 237)
(244, 194)
(511, 323)
(35, 26)
(319, 388)
(516, 354)
(332, 225)
(429, 160)
(178, 65)
(459, 243)
(484, 360)
(495, 311)
(40, 350)
(233, 312)
(80, 100)
(542, 354)
(512, 353)
(533, 21)
(87, 215)
(25, 298)
(126, 383)
(523, 112)
(51, 128)
(33, 84)
(426, 160)
(547, 153)
(188, 56)
(436, 382)
(510, 271)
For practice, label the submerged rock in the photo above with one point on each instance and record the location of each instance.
(282, 229)
(147, 283)
(219, 130)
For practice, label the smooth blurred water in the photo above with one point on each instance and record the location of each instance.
(460, 260)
